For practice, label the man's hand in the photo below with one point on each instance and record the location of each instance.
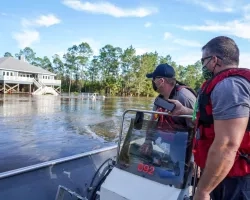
(201, 196)
(180, 109)
(147, 148)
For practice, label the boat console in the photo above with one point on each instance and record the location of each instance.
(154, 161)
(165, 172)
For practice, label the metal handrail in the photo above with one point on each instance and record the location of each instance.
(144, 111)
(52, 162)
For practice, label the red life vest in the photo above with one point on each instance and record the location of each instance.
(205, 126)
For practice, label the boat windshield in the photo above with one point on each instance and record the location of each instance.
(167, 162)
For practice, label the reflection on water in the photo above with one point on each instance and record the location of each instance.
(40, 128)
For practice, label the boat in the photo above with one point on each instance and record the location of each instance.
(116, 172)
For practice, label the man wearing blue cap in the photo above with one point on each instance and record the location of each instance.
(164, 82)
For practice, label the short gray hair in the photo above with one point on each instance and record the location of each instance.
(171, 81)
(225, 48)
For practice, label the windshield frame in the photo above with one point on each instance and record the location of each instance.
(188, 154)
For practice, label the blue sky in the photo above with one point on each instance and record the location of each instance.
(176, 27)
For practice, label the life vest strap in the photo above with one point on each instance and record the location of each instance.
(245, 156)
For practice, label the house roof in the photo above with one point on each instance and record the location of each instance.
(13, 64)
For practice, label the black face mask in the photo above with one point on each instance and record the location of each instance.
(154, 86)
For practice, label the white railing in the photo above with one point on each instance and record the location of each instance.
(42, 84)
(36, 83)
(16, 78)
(31, 80)
(50, 81)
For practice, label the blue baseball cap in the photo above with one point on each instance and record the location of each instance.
(162, 70)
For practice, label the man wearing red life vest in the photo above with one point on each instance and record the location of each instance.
(164, 82)
(222, 145)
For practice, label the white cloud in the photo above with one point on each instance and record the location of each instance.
(188, 43)
(47, 20)
(192, 57)
(148, 24)
(167, 35)
(107, 8)
(244, 60)
(141, 51)
(188, 58)
(246, 12)
(26, 38)
(239, 28)
(169, 48)
(29, 35)
(3, 14)
(213, 7)
(222, 6)
(182, 42)
(42, 20)
(25, 23)
(247, 16)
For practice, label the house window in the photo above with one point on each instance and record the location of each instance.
(4, 73)
(7, 73)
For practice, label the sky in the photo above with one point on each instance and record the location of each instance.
(175, 27)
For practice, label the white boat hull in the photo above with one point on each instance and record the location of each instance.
(120, 185)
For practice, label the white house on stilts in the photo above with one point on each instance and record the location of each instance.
(18, 76)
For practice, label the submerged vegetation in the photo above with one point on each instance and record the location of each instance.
(114, 71)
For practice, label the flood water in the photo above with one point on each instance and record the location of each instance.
(35, 129)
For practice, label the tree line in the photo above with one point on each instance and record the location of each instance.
(114, 72)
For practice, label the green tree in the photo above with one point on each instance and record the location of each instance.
(109, 60)
(7, 54)
(128, 61)
(29, 55)
(44, 63)
(113, 72)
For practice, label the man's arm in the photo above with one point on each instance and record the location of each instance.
(187, 111)
(188, 99)
(221, 155)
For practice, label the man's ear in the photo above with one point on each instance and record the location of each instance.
(215, 60)
(162, 80)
